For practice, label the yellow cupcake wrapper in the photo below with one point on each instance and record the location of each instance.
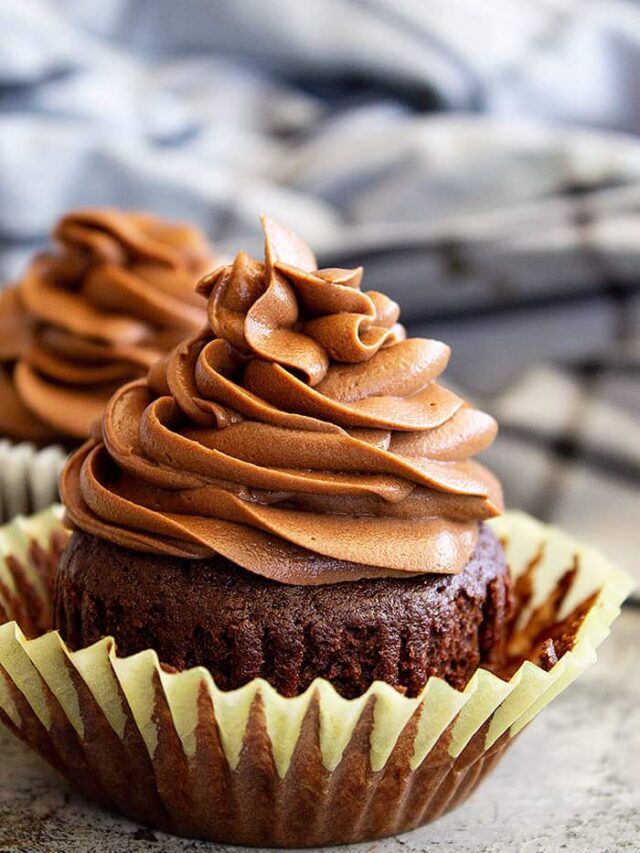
(486, 715)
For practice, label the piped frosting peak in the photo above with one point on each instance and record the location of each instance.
(301, 435)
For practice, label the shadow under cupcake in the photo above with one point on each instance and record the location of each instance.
(332, 632)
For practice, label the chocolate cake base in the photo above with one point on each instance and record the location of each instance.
(241, 626)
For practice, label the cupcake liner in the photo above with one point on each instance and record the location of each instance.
(28, 477)
(252, 767)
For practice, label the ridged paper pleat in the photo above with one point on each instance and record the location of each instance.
(28, 477)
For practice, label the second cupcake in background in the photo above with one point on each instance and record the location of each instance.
(115, 294)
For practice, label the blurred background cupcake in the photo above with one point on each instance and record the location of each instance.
(97, 310)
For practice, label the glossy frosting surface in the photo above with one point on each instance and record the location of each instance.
(116, 294)
(300, 435)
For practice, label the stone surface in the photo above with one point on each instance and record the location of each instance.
(571, 783)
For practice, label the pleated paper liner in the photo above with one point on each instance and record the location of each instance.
(28, 477)
(250, 766)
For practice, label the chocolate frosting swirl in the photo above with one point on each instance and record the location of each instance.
(116, 296)
(301, 435)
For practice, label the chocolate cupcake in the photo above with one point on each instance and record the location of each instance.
(114, 296)
(290, 612)
(290, 495)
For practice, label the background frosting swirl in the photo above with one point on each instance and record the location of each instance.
(301, 435)
(116, 296)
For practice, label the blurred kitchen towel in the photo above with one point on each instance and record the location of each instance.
(443, 144)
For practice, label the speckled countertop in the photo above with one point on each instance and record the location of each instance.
(571, 783)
